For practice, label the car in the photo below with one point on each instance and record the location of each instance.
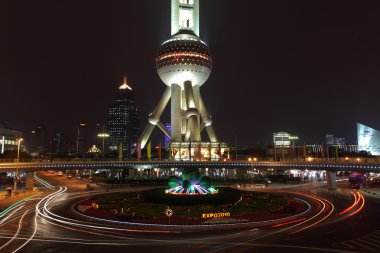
(69, 176)
(60, 173)
(78, 177)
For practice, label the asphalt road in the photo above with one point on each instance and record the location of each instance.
(329, 228)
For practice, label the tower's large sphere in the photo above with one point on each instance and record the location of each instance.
(184, 57)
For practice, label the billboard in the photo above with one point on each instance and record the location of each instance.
(368, 139)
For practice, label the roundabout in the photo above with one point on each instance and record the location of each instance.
(261, 219)
(228, 207)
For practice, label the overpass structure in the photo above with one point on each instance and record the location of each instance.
(330, 166)
(82, 165)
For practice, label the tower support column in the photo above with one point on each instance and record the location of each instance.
(154, 118)
(192, 113)
(205, 116)
(176, 119)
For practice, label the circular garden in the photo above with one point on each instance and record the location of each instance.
(226, 207)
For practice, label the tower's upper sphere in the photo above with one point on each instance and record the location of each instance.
(184, 57)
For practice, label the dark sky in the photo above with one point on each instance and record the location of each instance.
(306, 67)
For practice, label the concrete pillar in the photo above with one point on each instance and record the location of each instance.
(231, 174)
(192, 113)
(132, 174)
(331, 180)
(176, 119)
(29, 179)
(241, 173)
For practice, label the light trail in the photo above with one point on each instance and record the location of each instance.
(10, 215)
(43, 182)
(356, 201)
(46, 214)
(17, 232)
(18, 203)
(282, 230)
(288, 223)
(361, 207)
(319, 221)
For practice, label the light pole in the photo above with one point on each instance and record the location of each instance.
(18, 161)
(103, 136)
(250, 160)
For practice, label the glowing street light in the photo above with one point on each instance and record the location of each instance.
(103, 136)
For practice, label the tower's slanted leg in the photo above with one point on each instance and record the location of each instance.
(154, 119)
(207, 122)
(192, 113)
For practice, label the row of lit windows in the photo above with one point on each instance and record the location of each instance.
(8, 142)
(184, 49)
(170, 49)
(171, 62)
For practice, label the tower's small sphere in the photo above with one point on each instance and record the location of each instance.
(184, 57)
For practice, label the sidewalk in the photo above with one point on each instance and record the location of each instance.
(371, 192)
(5, 202)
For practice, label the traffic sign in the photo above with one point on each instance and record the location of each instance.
(168, 212)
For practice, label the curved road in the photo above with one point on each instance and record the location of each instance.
(46, 223)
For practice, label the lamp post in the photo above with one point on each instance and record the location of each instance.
(250, 160)
(18, 161)
(103, 136)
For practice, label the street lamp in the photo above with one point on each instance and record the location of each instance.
(103, 136)
(252, 173)
(18, 161)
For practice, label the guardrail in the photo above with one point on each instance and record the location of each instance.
(65, 165)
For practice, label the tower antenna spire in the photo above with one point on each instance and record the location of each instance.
(125, 85)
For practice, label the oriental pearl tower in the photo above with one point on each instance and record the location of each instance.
(184, 64)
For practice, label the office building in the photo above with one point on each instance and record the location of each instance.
(123, 121)
(368, 139)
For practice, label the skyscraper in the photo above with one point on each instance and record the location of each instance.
(123, 120)
(59, 142)
(39, 139)
(184, 64)
(80, 139)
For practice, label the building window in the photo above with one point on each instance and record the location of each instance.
(186, 1)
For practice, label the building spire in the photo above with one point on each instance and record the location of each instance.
(125, 85)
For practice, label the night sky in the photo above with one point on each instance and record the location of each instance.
(306, 67)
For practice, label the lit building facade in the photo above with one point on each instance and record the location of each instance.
(331, 140)
(184, 64)
(284, 140)
(368, 139)
(123, 121)
(9, 139)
